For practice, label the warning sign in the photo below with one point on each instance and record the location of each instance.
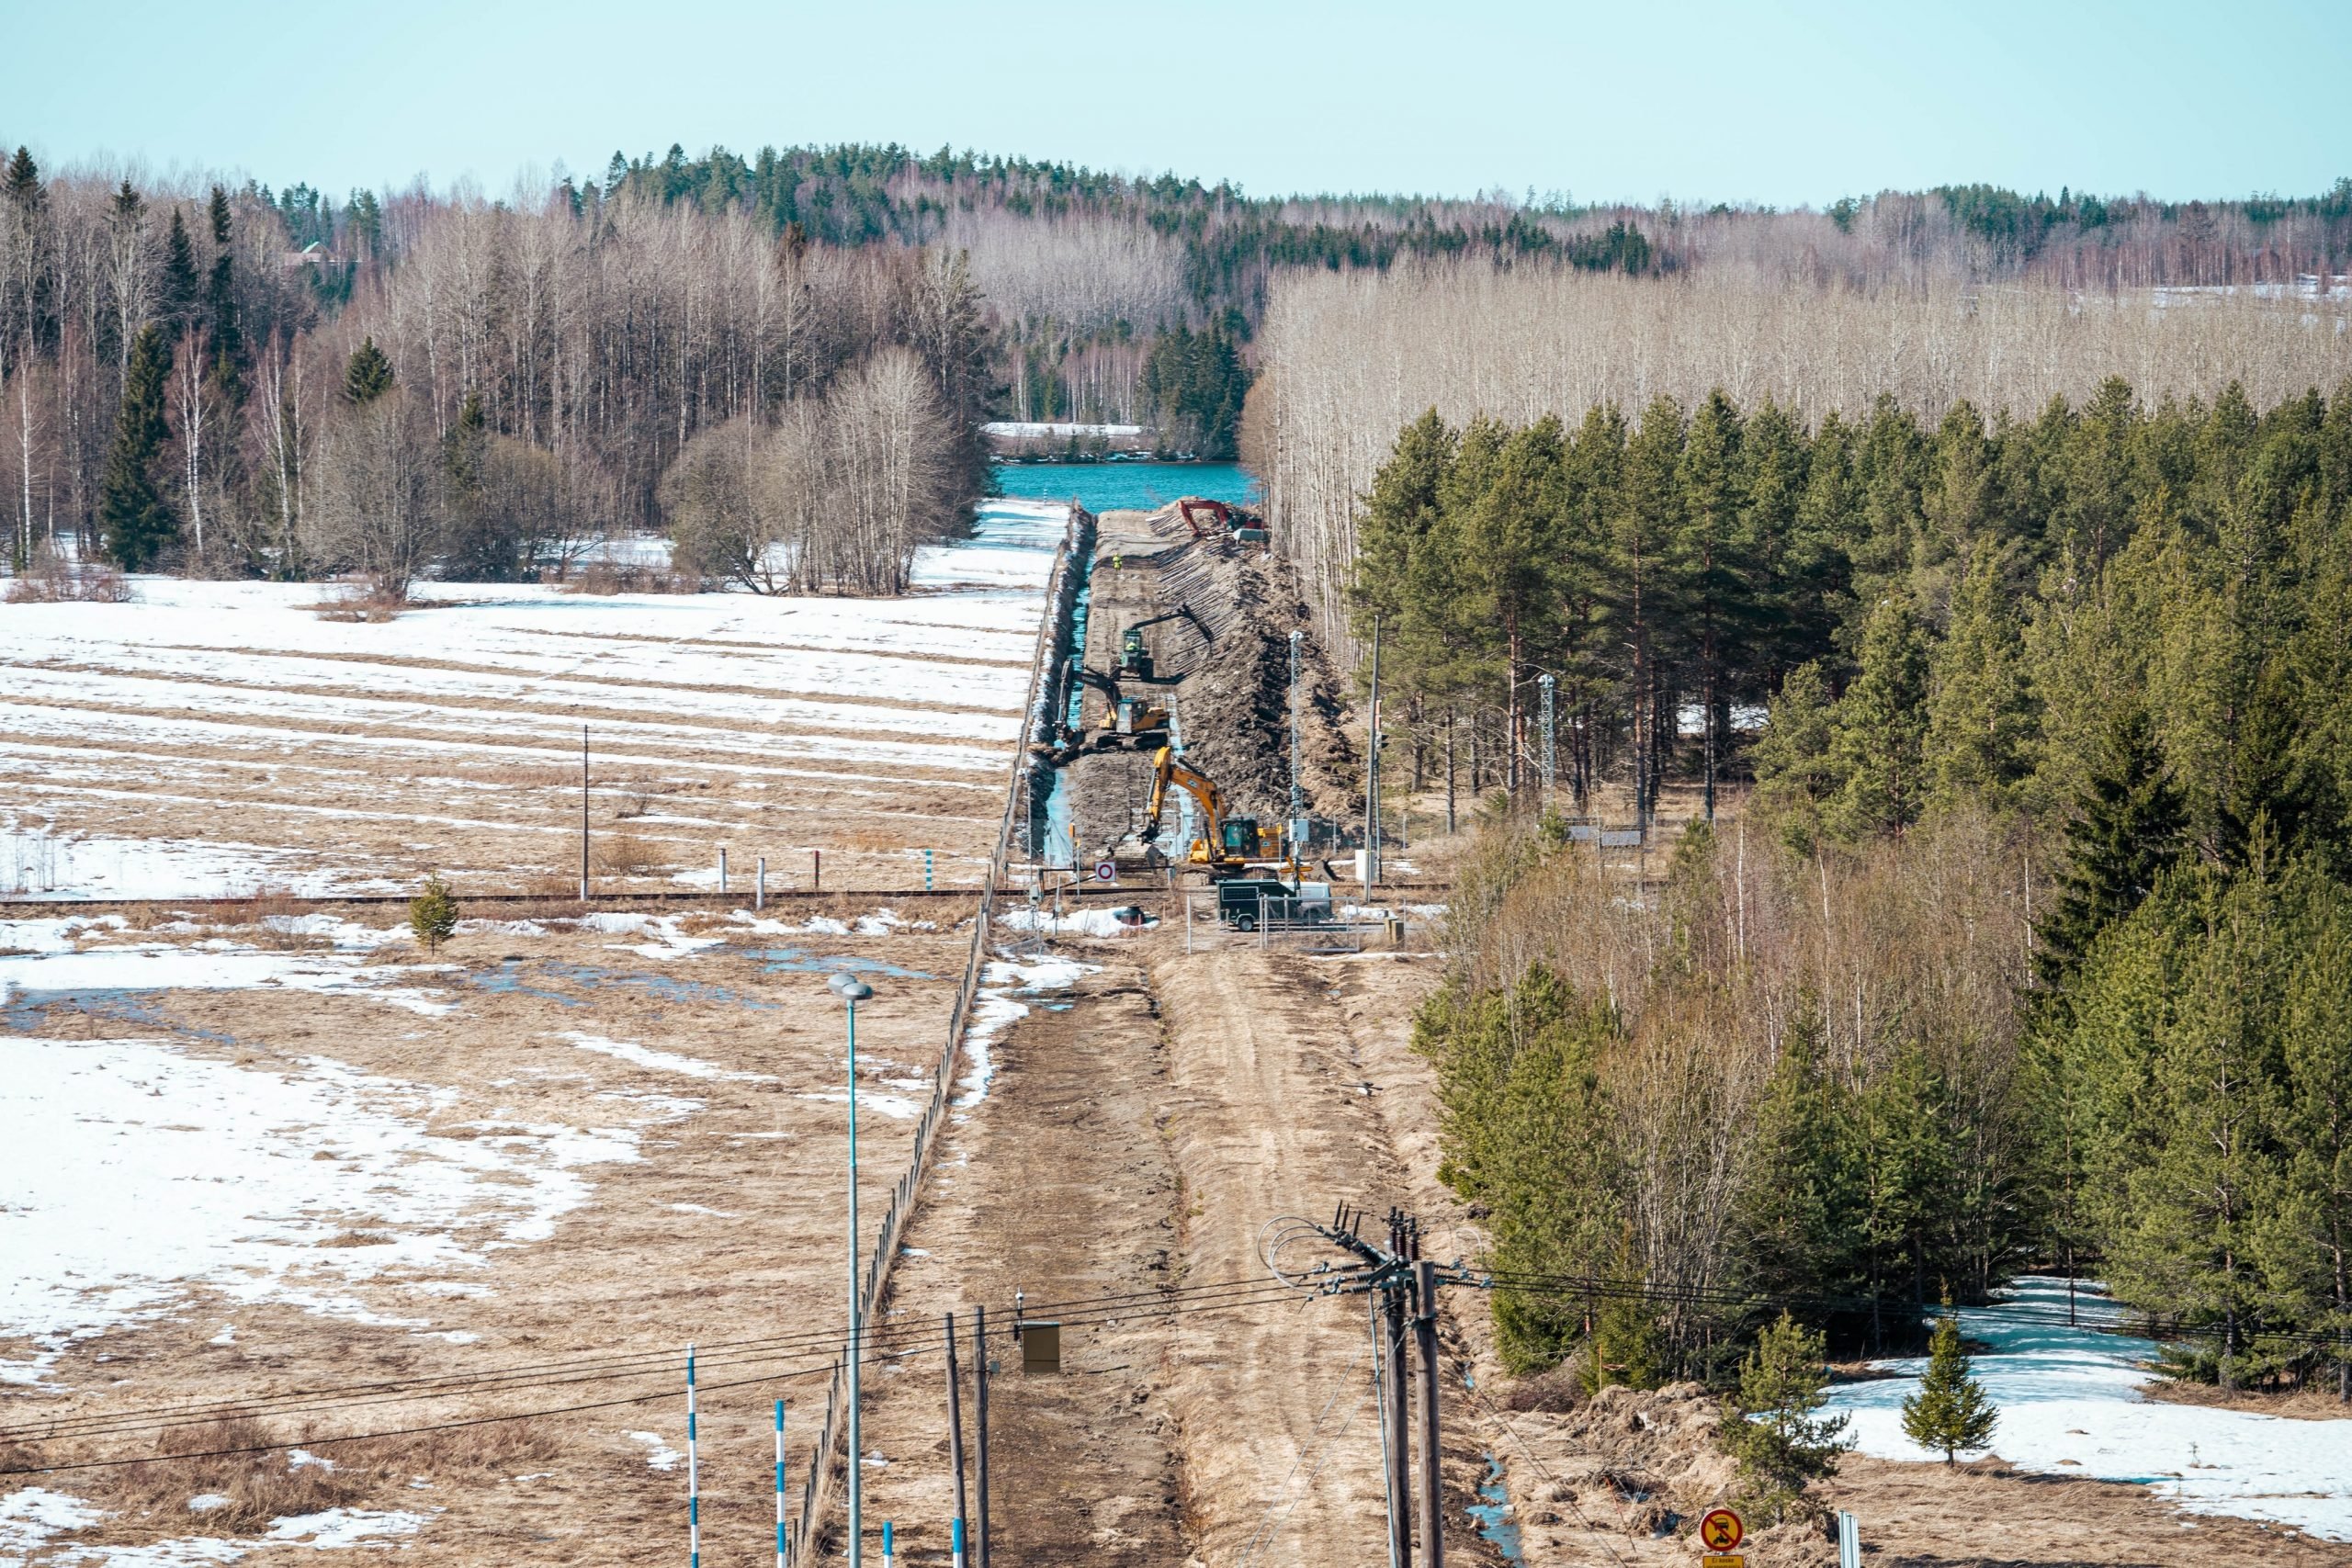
(1723, 1560)
(1720, 1532)
(1106, 871)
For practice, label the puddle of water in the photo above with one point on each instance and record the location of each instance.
(793, 960)
(22, 1010)
(507, 979)
(1492, 1510)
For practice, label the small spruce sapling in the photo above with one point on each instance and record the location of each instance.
(1950, 1411)
(1773, 1427)
(433, 913)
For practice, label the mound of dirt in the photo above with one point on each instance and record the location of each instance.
(1646, 1465)
(1234, 702)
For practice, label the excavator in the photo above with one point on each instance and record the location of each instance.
(1132, 720)
(1135, 658)
(1245, 527)
(1125, 719)
(1229, 843)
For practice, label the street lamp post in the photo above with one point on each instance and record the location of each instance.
(852, 991)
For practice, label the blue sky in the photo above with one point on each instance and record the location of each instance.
(1772, 100)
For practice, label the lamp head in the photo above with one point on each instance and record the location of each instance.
(854, 991)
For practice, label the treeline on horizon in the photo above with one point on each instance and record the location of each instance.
(2029, 948)
(493, 396)
(594, 327)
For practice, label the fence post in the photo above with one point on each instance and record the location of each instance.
(760, 884)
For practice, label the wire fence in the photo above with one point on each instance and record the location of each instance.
(817, 1492)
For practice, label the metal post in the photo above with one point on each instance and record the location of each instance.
(760, 884)
(980, 1414)
(583, 814)
(1548, 686)
(1262, 923)
(694, 1476)
(854, 991)
(926, 871)
(779, 1483)
(1432, 1484)
(816, 868)
(955, 1543)
(889, 1551)
(956, 1436)
(722, 868)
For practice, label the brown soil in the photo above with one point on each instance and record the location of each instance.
(2301, 1403)
(630, 1272)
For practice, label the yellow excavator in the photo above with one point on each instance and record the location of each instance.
(1228, 843)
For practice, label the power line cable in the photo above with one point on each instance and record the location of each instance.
(1213, 1298)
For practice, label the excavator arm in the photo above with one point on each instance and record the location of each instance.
(1167, 769)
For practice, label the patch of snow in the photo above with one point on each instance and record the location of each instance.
(657, 1061)
(698, 1208)
(137, 1173)
(2074, 1394)
(216, 965)
(343, 1526)
(205, 1502)
(228, 1334)
(660, 1454)
(303, 1459)
(1071, 922)
(29, 1517)
(668, 938)
(995, 1008)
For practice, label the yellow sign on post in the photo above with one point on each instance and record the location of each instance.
(1723, 1560)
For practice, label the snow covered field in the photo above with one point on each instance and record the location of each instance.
(2071, 1403)
(215, 739)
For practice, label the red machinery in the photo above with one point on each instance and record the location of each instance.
(1230, 523)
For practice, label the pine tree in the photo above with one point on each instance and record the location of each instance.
(1774, 1429)
(368, 375)
(1882, 726)
(2278, 792)
(1400, 510)
(2308, 1236)
(433, 913)
(2187, 1228)
(176, 306)
(1950, 1411)
(1798, 772)
(227, 370)
(1713, 570)
(133, 517)
(1980, 720)
(2128, 827)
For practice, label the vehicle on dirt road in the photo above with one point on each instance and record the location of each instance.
(1242, 902)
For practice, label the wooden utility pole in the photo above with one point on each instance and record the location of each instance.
(1433, 1482)
(955, 1434)
(1371, 773)
(1397, 1457)
(980, 1414)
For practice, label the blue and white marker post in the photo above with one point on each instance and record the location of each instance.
(958, 1538)
(694, 1478)
(779, 1483)
(887, 1553)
